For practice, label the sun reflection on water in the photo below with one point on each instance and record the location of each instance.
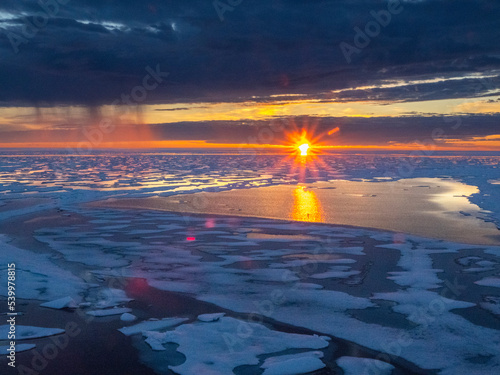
(306, 206)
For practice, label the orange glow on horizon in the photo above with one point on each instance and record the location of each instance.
(137, 145)
(451, 146)
(295, 140)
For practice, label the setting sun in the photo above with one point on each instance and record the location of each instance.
(303, 140)
(303, 149)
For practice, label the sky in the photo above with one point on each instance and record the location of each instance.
(240, 73)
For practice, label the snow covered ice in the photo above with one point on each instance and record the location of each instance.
(292, 364)
(151, 325)
(29, 332)
(359, 366)
(430, 302)
(61, 303)
(215, 347)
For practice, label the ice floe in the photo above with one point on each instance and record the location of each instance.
(336, 272)
(41, 278)
(417, 264)
(29, 332)
(151, 325)
(489, 281)
(360, 366)
(127, 317)
(111, 297)
(492, 304)
(210, 317)
(109, 312)
(61, 303)
(228, 343)
(293, 364)
(82, 248)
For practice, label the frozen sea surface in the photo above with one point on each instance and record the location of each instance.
(385, 291)
(431, 302)
(214, 348)
(76, 178)
(359, 366)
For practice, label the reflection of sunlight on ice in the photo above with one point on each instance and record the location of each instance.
(455, 198)
(306, 206)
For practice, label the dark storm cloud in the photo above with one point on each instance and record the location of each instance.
(92, 51)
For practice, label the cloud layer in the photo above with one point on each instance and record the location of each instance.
(90, 52)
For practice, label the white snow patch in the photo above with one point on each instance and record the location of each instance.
(414, 303)
(151, 325)
(29, 332)
(478, 269)
(336, 272)
(224, 349)
(40, 278)
(492, 304)
(109, 312)
(293, 364)
(210, 317)
(489, 281)
(61, 303)
(358, 366)
(127, 317)
(110, 297)
(417, 263)
(154, 340)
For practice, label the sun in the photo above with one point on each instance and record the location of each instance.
(303, 142)
(303, 149)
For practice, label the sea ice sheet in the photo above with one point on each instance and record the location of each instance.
(225, 347)
(359, 366)
(109, 312)
(39, 278)
(445, 341)
(61, 303)
(490, 281)
(293, 364)
(151, 325)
